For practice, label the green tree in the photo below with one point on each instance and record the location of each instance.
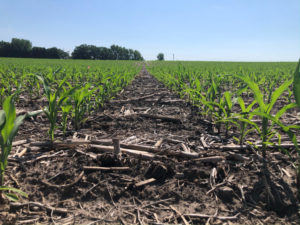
(21, 47)
(105, 53)
(115, 52)
(160, 56)
(137, 55)
(56, 53)
(5, 49)
(82, 52)
(39, 52)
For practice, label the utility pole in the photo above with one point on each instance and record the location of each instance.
(173, 57)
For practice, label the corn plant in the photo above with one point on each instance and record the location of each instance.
(32, 86)
(66, 109)
(80, 98)
(266, 132)
(229, 102)
(56, 99)
(100, 97)
(244, 117)
(296, 85)
(9, 126)
(296, 90)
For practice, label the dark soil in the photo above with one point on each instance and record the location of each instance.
(225, 192)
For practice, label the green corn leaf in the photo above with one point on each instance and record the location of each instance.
(2, 119)
(276, 121)
(230, 120)
(10, 113)
(251, 123)
(256, 91)
(296, 127)
(219, 106)
(66, 95)
(248, 131)
(62, 82)
(206, 103)
(66, 108)
(11, 197)
(62, 99)
(18, 191)
(277, 93)
(279, 138)
(198, 84)
(284, 109)
(227, 96)
(248, 109)
(286, 129)
(2, 167)
(45, 85)
(296, 84)
(242, 104)
(15, 129)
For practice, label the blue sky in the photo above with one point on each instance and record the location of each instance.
(229, 30)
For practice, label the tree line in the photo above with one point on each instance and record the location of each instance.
(115, 52)
(23, 48)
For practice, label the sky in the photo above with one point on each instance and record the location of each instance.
(207, 30)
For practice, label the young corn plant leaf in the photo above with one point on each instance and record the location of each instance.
(296, 84)
(256, 91)
(2, 120)
(244, 116)
(65, 112)
(277, 93)
(284, 109)
(228, 99)
(245, 120)
(296, 90)
(80, 106)
(45, 85)
(285, 128)
(10, 113)
(9, 126)
(17, 123)
(11, 196)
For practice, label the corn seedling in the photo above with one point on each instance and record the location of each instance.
(80, 98)
(56, 99)
(264, 112)
(296, 84)
(267, 132)
(66, 109)
(296, 90)
(244, 117)
(9, 126)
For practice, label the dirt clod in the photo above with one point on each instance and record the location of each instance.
(159, 171)
(109, 160)
(226, 194)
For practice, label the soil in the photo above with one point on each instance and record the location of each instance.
(185, 189)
